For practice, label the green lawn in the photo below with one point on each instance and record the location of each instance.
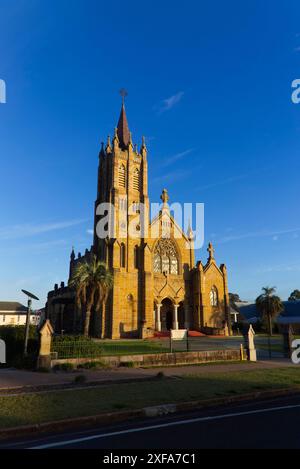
(98, 348)
(123, 347)
(37, 408)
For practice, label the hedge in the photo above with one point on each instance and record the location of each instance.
(13, 337)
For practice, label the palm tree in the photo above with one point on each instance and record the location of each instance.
(269, 305)
(92, 282)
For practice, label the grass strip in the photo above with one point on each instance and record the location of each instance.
(38, 408)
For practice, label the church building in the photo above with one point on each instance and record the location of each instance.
(157, 286)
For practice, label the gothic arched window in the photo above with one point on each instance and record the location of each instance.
(136, 180)
(123, 255)
(213, 296)
(122, 176)
(165, 257)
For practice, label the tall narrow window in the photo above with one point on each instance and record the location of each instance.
(165, 261)
(157, 263)
(136, 257)
(174, 265)
(123, 255)
(213, 296)
(136, 180)
(122, 176)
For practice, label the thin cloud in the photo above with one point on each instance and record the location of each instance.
(26, 230)
(225, 181)
(176, 157)
(173, 176)
(258, 234)
(168, 103)
(90, 232)
(295, 267)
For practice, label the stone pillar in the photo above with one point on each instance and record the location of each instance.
(44, 358)
(175, 318)
(186, 316)
(158, 318)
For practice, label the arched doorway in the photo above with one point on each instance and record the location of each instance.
(167, 314)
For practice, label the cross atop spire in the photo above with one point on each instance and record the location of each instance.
(164, 196)
(122, 127)
(123, 93)
(211, 251)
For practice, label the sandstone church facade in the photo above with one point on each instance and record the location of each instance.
(157, 284)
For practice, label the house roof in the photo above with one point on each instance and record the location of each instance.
(12, 306)
(291, 310)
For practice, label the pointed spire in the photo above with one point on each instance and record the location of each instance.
(190, 233)
(102, 152)
(143, 147)
(72, 254)
(108, 144)
(123, 129)
(130, 140)
(116, 138)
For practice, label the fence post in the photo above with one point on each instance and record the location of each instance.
(242, 352)
(287, 341)
(187, 340)
(44, 358)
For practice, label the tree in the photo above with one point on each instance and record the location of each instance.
(269, 305)
(295, 295)
(92, 282)
(233, 299)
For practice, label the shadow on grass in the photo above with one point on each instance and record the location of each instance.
(37, 408)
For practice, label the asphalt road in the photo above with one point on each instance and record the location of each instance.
(266, 424)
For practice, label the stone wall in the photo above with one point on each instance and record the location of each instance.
(164, 359)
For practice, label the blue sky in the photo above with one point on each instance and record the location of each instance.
(210, 87)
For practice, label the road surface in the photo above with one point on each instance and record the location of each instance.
(266, 424)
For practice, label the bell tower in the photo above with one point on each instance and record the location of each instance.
(123, 184)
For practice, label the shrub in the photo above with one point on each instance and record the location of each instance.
(63, 367)
(92, 365)
(14, 339)
(127, 364)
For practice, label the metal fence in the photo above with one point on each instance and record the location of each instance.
(101, 348)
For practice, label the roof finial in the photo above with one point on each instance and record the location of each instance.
(164, 196)
(108, 144)
(190, 233)
(211, 251)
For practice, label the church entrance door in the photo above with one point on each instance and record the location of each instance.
(167, 314)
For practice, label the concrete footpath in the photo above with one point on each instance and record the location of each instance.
(17, 379)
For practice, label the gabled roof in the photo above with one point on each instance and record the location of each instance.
(12, 306)
(175, 224)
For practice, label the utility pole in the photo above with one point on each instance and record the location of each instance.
(31, 297)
